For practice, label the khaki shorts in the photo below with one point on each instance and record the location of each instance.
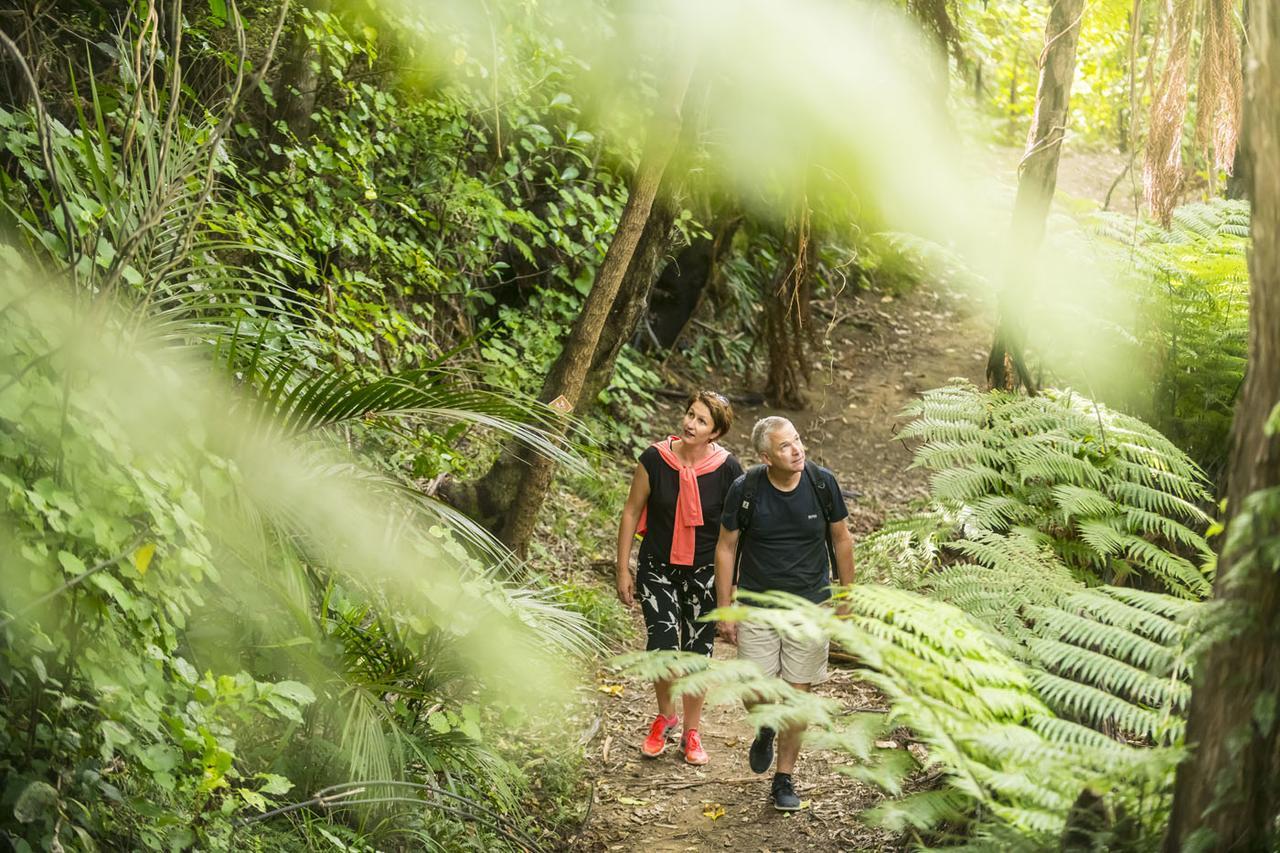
(798, 659)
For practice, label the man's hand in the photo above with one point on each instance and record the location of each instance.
(728, 632)
(626, 589)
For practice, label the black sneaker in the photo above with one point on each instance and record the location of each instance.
(761, 756)
(783, 794)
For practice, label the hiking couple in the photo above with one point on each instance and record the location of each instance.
(709, 528)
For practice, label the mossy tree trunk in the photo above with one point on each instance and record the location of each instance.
(1037, 180)
(1227, 794)
(299, 84)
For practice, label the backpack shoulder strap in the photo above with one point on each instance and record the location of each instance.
(813, 474)
(825, 499)
(746, 509)
(747, 506)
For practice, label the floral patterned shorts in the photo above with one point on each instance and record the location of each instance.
(673, 598)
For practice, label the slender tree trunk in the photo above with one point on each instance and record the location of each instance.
(299, 83)
(633, 296)
(786, 314)
(1227, 794)
(488, 498)
(1037, 179)
(569, 373)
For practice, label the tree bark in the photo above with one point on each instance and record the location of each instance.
(1037, 180)
(511, 493)
(489, 498)
(786, 314)
(1227, 794)
(568, 374)
(299, 85)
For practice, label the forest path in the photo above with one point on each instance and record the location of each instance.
(877, 353)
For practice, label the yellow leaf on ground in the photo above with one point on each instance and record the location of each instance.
(715, 811)
(611, 689)
(142, 557)
(632, 801)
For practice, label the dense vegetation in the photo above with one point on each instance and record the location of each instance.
(274, 275)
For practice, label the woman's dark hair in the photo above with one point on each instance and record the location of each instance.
(718, 405)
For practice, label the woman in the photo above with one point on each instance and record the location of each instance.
(677, 492)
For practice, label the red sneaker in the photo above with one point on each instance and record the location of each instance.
(691, 743)
(656, 742)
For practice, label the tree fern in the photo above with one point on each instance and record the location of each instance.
(1112, 495)
(1192, 286)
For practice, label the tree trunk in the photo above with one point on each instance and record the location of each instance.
(1227, 794)
(633, 296)
(489, 498)
(786, 314)
(527, 483)
(299, 84)
(1037, 179)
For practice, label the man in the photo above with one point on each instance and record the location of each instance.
(794, 521)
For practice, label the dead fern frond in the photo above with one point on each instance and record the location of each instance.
(1162, 175)
(1219, 90)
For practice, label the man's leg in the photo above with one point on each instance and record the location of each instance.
(789, 739)
(761, 645)
(804, 664)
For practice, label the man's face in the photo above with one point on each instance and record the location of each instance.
(786, 451)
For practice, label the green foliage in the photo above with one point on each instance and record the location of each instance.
(190, 677)
(1003, 40)
(1110, 496)
(1192, 282)
(1028, 680)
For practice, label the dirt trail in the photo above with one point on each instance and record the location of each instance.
(878, 353)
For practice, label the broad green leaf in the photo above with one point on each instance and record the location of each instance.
(38, 800)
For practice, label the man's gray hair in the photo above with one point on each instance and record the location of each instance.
(764, 428)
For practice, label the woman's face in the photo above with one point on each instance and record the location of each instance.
(697, 427)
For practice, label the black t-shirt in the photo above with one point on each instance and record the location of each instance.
(664, 489)
(785, 548)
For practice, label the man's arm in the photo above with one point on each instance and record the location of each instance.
(726, 551)
(842, 544)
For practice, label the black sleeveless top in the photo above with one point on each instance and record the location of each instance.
(664, 489)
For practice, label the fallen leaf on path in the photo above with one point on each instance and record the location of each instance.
(715, 811)
(632, 801)
(611, 689)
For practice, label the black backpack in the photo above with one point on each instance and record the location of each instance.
(747, 508)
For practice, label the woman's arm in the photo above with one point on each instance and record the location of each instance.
(636, 500)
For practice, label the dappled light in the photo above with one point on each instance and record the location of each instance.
(555, 424)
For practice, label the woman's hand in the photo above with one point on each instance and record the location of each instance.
(728, 632)
(626, 588)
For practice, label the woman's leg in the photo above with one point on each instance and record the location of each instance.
(697, 599)
(658, 595)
